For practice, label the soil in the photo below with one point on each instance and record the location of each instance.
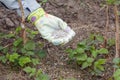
(84, 17)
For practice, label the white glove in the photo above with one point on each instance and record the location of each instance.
(51, 28)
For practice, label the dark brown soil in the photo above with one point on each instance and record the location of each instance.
(84, 17)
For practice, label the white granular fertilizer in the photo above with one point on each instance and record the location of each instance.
(59, 34)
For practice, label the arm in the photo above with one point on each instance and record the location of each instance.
(28, 5)
(51, 28)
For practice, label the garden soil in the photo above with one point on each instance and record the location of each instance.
(84, 17)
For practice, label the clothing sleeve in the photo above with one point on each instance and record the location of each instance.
(28, 5)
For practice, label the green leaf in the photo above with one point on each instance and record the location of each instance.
(42, 77)
(111, 42)
(3, 59)
(81, 57)
(41, 53)
(27, 69)
(116, 74)
(80, 50)
(39, 72)
(7, 55)
(34, 32)
(5, 50)
(30, 45)
(82, 44)
(110, 2)
(91, 37)
(17, 42)
(116, 66)
(72, 54)
(116, 60)
(10, 35)
(99, 64)
(103, 51)
(23, 50)
(14, 49)
(30, 71)
(18, 29)
(35, 61)
(13, 57)
(1, 47)
(24, 60)
(101, 61)
(30, 53)
(90, 60)
(85, 65)
(99, 38)
(69, 50)
(94, 53)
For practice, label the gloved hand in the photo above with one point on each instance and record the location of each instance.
(51, 28)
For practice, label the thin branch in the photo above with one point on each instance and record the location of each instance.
(107, 25)
(23, 22)
(117, 31)
(7, 45)
(22, 11)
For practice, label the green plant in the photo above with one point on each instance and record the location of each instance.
(88, 52)
(116, 74)
(116, 62)
(116, 65)
(22, 55)
(37, 73)
(111, 2)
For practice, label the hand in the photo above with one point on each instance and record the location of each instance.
(51, 28)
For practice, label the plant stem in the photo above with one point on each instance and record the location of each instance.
(107, 26)
(117, 31)
(23, 32)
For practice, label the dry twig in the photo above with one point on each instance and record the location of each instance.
(107, 26)
(117, 31)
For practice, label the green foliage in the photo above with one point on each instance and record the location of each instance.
(35, 61)
(41, 54)
(30, 71)
(17, 42)
(111, 2)
(111, 42)
(22, 55)
(98, 65)
(24, 60)
(87, 52)
(13, 57)
(3, 59)
(116, 62)
(116, 74)
(30, 45)
(38, 73)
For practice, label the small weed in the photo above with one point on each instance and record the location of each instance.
(116, 65)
